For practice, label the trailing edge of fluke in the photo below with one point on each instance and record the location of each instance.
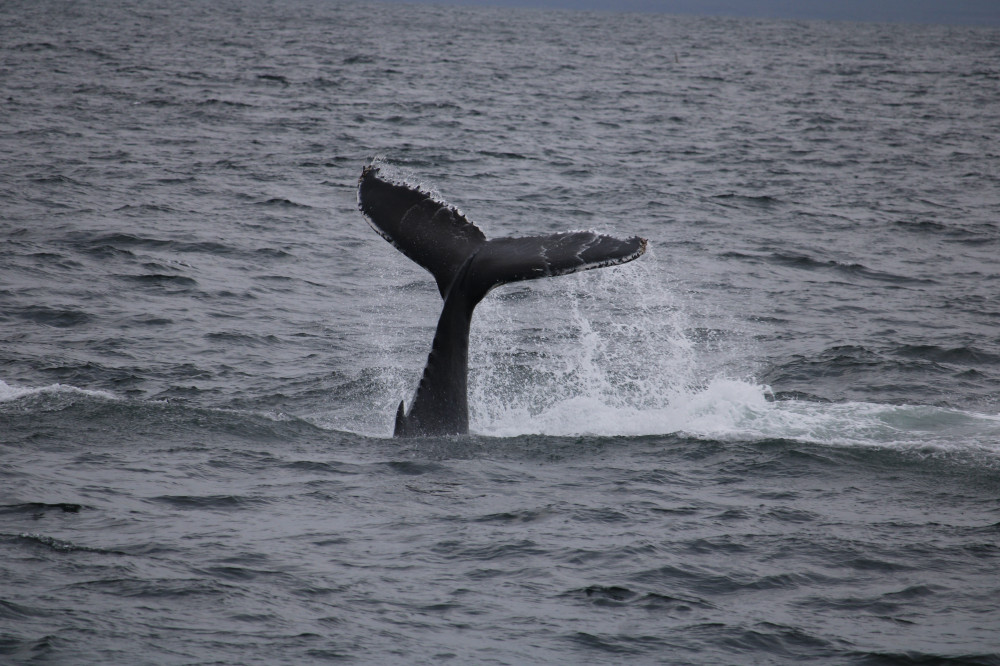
(466, 266)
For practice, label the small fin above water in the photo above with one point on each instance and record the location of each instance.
(400, 427)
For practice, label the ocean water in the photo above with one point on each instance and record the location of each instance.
(775, 438)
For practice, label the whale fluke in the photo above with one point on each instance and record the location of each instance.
(430, 232)
(466, 267)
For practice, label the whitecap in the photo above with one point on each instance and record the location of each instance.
(10, 393)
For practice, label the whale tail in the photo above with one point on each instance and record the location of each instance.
(466, 266)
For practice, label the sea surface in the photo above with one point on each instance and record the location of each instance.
(775, 438)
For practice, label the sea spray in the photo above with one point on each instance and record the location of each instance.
(594, 354)
(616, 354)
(400, 316)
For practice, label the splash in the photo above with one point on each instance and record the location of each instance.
(619, 354)
(595, 354)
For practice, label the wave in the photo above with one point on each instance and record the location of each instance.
(734, 200)
(805, 262)
(58, 409)
(56, 544)
(102, 244)
(725, 410)
(10, 393)
(956, 355)
(55, 317)
(279, 202)
(36, 509)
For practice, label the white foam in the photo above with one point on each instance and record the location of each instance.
(614, 356)
(739, 410)
(9, 393)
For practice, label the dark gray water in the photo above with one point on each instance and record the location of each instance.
(773, 439)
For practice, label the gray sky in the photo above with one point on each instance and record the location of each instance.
(959, 12)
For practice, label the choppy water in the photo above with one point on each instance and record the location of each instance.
(773, 439)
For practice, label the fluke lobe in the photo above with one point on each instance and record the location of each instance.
(466, 267)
